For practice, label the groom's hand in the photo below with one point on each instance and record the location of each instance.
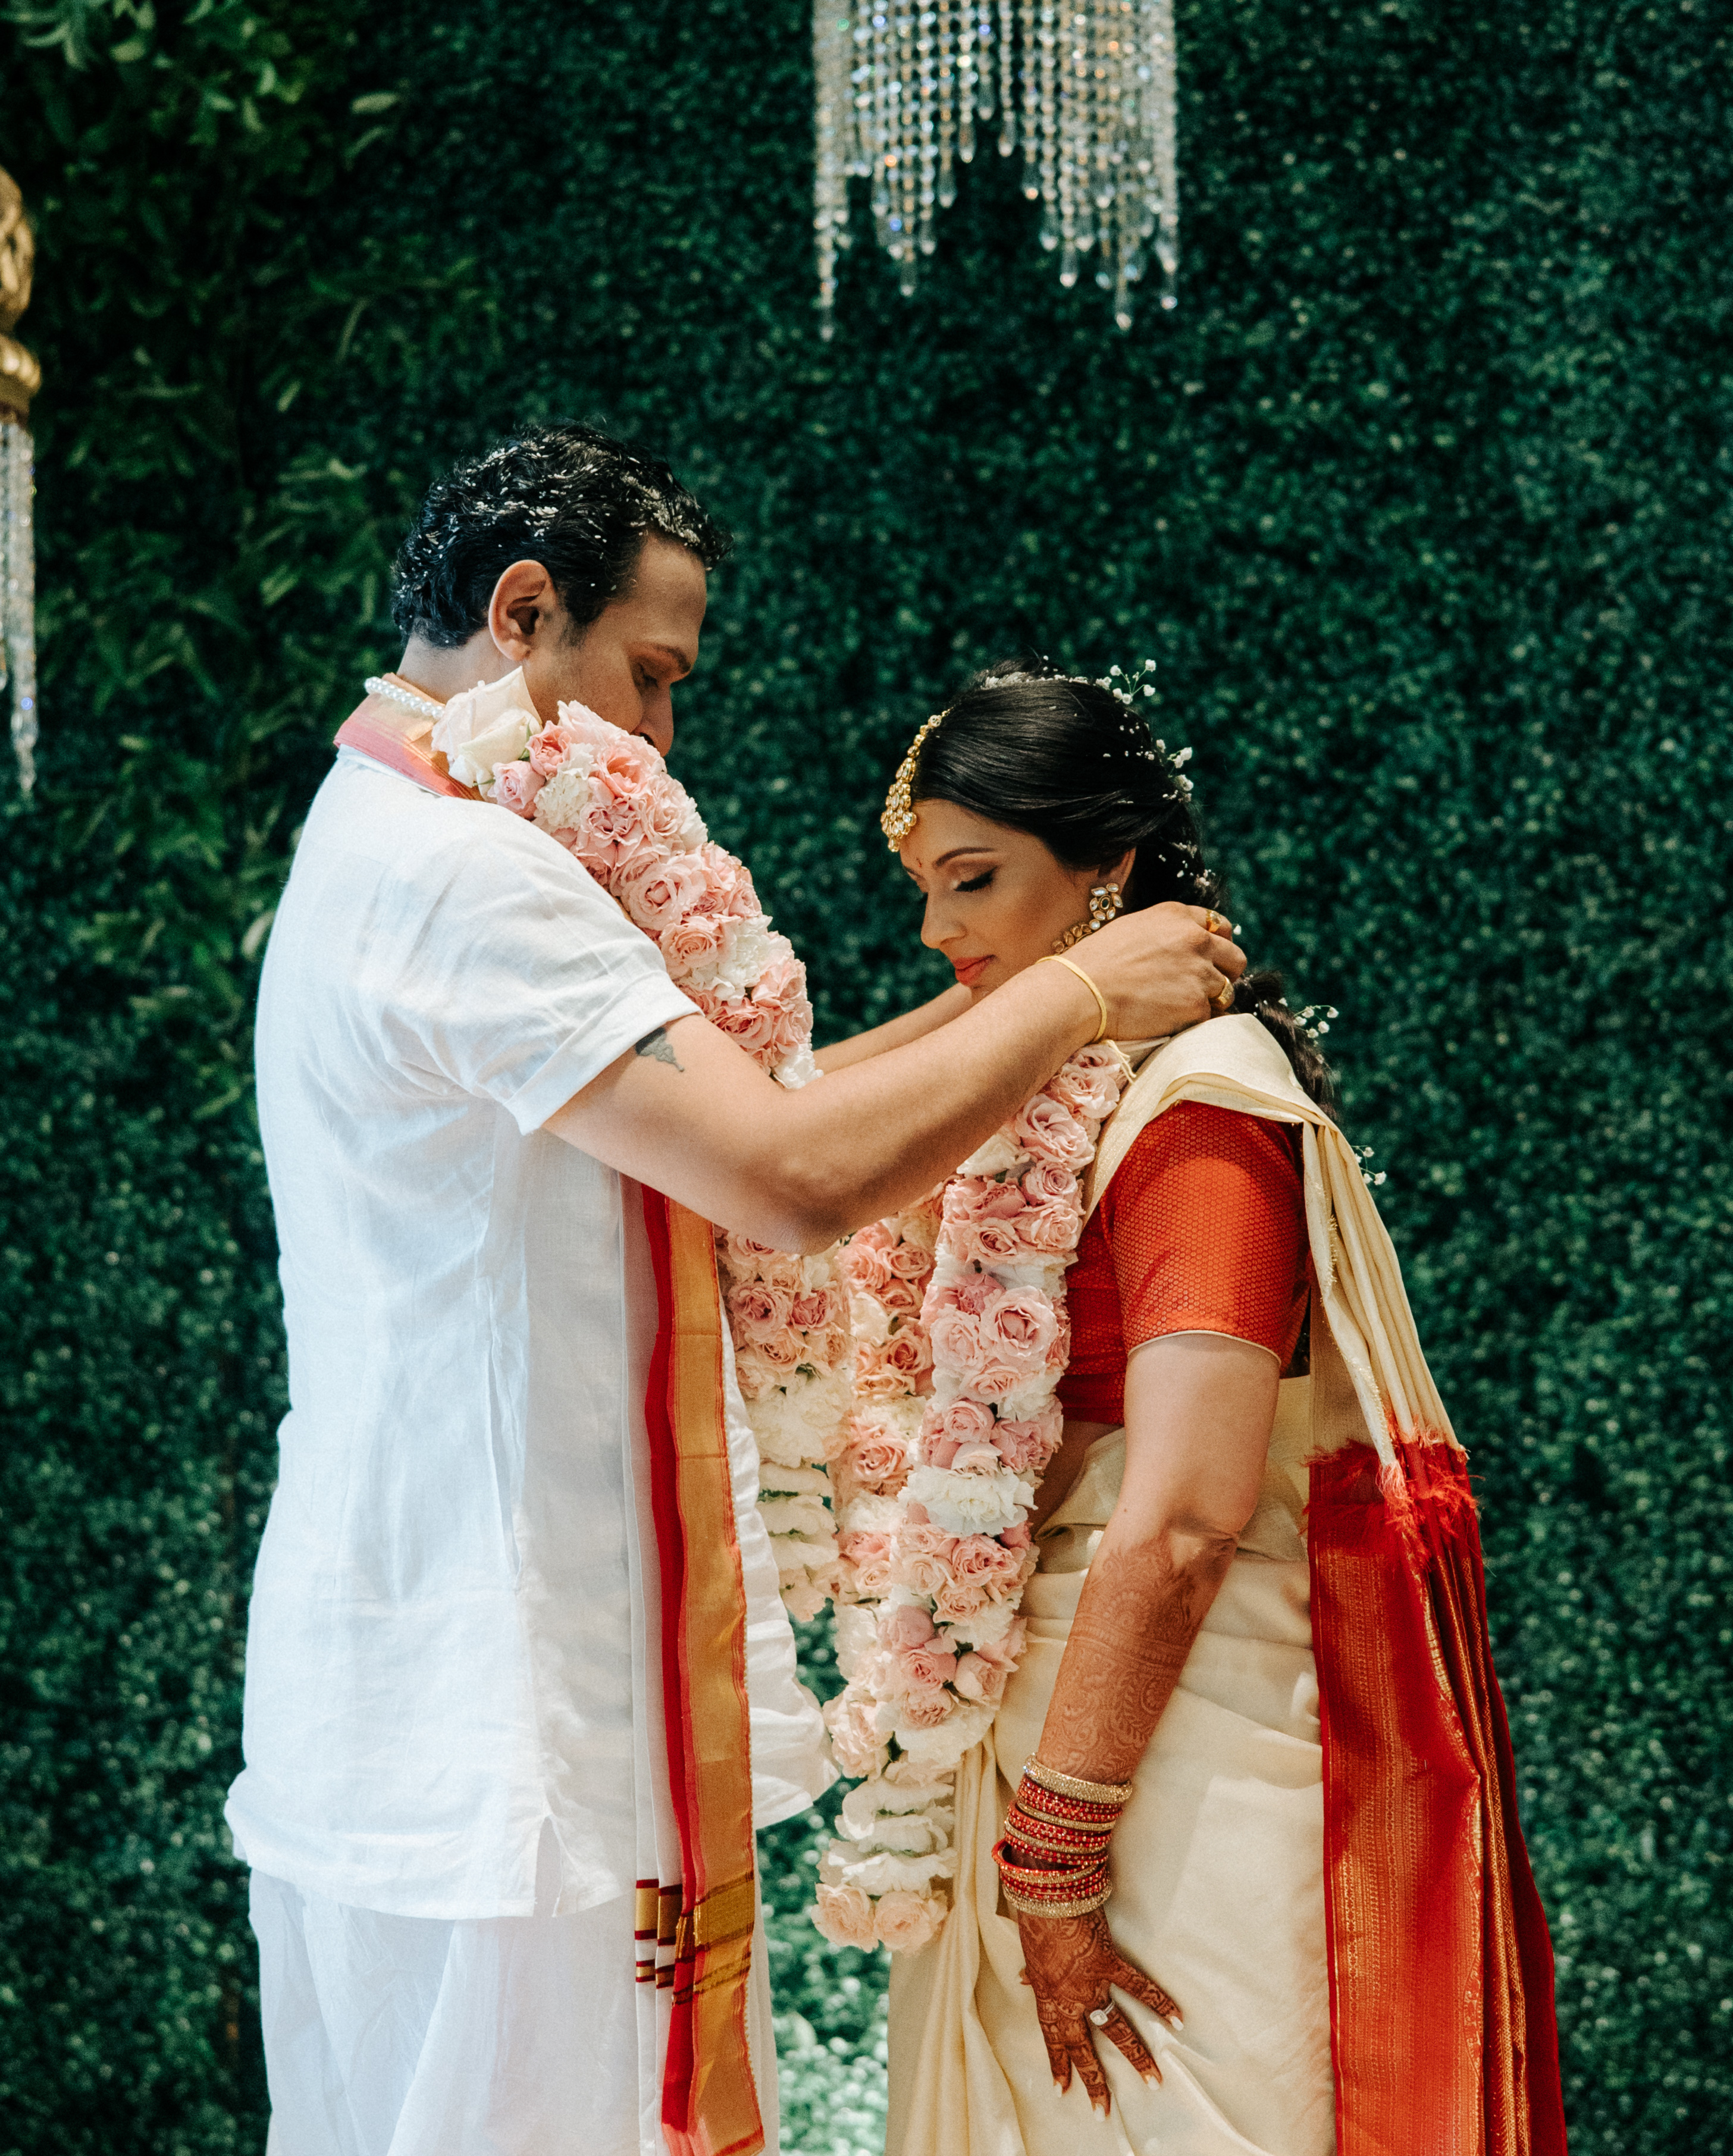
(1162, 969)
(687, 1112)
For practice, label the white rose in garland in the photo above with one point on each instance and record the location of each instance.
(607, 796)
(961, 1336)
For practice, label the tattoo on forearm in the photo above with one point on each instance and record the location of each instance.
(659, 1045)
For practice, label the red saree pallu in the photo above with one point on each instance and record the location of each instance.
(1441, 1968)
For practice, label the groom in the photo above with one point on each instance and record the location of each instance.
(471, 1069)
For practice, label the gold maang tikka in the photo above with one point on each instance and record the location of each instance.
(898, 819)
(1104, 902)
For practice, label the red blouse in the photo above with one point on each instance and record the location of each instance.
(1203, 1229)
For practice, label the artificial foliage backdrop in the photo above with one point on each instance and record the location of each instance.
(1420, 499)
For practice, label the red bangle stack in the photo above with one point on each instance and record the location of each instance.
(1052, 1859)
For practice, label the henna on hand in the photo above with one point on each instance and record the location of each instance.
(1073, 1967)
(1141, 1608)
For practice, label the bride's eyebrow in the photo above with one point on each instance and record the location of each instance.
(957, 853)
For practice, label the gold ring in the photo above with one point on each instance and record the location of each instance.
(1222, 998)
(1213, 921)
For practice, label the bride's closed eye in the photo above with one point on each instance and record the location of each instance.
(977, 883)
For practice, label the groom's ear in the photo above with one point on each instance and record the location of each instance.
(525, 610)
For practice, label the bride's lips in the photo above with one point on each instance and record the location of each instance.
(971, 972)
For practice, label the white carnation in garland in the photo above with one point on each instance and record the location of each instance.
(798, 1515)
(985, 1629)
(997, 1158)
(935, 1480)
(870, 1515)
(785, 1482)
(856, 1633)
(883, 1872)
(564, 798)
(800, 1070)
(970, 1504)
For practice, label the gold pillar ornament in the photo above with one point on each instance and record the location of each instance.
(20, 378)
(1084, 89)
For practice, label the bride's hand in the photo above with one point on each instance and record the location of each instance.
(1071, 1966)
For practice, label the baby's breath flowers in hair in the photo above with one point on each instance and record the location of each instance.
(1135, 741)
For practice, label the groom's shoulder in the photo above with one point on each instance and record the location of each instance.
(366, 819)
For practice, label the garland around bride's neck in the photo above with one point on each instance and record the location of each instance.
(961, 1336)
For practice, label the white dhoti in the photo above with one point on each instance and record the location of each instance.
(1218, 1871)
(498, 2036)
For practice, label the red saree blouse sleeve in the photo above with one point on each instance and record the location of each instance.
(1202, 1230)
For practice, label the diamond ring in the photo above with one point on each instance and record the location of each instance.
(1100, 2015)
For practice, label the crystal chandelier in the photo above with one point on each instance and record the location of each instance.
(1083, 89)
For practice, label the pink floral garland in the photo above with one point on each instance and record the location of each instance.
(605, 795)
(961, 1336)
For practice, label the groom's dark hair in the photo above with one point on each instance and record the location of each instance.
(571, 498)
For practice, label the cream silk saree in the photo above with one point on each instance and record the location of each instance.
(1320, 1858)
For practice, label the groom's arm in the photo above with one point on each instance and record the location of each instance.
(897, 1032)
(690, 1114)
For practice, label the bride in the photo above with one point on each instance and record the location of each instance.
(1256, 1707)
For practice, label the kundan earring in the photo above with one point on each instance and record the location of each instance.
(1104, 902)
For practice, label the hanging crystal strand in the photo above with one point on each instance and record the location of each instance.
(857, 153)
(1143, 209)
(966, 50)
(1066, 131)
(21, 599)
(947, 103)
(1122, 76)
(1008, 79)
(1105, 146)
(984, 61)
(1108, 142)
(1029, 61)
(1161, 131)
(832, 51)
(928, 111)
(908, 114)
(1050, 102)
(1084, 117)
(884, 135)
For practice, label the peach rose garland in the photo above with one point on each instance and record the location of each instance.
(960, 1338)
(607, 798)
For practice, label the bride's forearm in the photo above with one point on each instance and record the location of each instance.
(1140, 1609)
(895, 1033)
(1199, 1407)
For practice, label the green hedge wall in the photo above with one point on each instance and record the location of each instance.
(1421, 501)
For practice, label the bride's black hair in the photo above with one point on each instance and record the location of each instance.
(1070, 763)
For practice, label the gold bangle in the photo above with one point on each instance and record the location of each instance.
(1071, 1785)
(1081, 1907)
(1054, 959)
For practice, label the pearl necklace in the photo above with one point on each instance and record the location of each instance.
(408, 700)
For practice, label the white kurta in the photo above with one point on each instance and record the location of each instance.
(445, 1714)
